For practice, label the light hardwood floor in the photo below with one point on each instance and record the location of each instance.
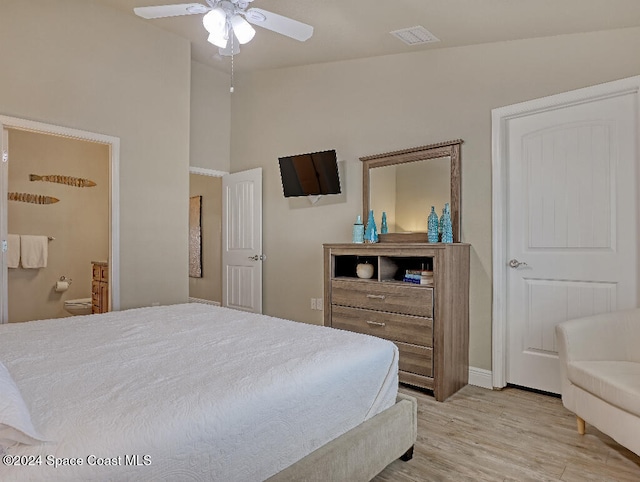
(508, 435)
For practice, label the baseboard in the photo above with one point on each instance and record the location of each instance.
(200, 300)
(480, 378)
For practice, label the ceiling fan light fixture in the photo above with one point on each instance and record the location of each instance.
(243, 31)
(229, 22)
(217, 40)
(214, 21)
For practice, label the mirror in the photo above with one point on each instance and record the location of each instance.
(405, 184)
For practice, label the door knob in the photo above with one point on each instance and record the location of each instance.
(514, 263)
(258, 257)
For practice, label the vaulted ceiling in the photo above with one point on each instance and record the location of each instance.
(351, 29)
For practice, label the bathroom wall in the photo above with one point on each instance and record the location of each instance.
(209, 287)
(79, 222)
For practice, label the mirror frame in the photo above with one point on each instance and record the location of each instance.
(449, 149)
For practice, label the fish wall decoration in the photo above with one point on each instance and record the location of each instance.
(31, 198)
(68, 180)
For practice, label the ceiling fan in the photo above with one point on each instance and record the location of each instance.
(226, 20)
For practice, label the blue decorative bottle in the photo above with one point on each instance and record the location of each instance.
(384, 229)
(371, 231)
(358, 231)
(432, 226)
(447, 229)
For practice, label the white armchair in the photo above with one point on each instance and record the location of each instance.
(600, 370)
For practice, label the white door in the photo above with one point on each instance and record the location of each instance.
(571, 226)
(4, 183)
(242, 240)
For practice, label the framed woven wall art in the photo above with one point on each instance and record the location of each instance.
(195, 237)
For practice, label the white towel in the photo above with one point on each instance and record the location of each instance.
(34, 251)
(13, 250)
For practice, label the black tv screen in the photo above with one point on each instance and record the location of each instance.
(310, 174)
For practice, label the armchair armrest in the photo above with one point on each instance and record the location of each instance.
(611, 336)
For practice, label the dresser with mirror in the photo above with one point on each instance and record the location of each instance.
(417, 294)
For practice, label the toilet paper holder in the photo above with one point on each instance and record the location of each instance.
(62, 285)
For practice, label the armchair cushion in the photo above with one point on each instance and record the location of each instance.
(616, 382)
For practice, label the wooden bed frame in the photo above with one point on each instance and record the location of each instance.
(362, 452)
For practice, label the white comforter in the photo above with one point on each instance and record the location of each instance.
(189, 392)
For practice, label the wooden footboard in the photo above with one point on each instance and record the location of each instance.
(364, 451)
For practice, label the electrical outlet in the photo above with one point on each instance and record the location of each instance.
(313, 303)
(319, 304)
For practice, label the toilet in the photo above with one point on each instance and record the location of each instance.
(81, 306)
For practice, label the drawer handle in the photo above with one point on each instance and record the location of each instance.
(375, 323)
(376, 297)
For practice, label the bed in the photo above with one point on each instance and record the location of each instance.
(197, 392)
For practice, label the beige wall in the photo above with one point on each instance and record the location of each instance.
(79, 222)
(377, 105)
(210, 119)
(81, 65)
(209, 287)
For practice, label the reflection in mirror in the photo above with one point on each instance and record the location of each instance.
(406, 192)
(405, 184)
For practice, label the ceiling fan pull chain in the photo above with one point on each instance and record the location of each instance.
(232, 40)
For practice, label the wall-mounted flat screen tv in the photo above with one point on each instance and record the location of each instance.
(310, 174)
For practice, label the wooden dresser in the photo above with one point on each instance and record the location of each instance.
(100, 287)
(428, 323)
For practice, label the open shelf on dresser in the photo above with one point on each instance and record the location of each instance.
(386, 268)
(429, 323)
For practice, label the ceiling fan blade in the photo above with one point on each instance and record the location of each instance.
(279, 24)
(170, 10)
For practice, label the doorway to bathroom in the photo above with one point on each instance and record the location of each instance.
(57, 188)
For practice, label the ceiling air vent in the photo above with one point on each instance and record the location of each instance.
(415, 36)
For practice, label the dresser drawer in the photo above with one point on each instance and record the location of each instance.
(380, 296)
(392, 326)
(415, 359)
